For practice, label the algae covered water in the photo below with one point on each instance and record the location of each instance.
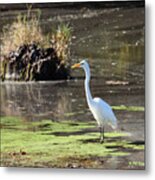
(55, 115)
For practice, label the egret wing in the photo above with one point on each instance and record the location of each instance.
(104, 112)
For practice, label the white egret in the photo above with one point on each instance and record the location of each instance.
(101, 110)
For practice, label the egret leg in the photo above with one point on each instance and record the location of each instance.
(101, 134)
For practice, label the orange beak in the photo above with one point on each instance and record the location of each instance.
(75, 66)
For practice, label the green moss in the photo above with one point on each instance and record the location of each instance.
(136, 163)
(73, 113)
(35, 144)
(134, 146)
(128, 108)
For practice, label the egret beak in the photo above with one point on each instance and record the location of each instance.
(76, 66)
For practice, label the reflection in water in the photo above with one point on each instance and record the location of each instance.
(132, 54)
(129, 57)
(35, 101)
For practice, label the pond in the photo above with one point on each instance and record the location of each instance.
(112, 39)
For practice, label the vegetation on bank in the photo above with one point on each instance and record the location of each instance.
(68, 144)
(28, 54)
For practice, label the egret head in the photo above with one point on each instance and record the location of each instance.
(83, 64)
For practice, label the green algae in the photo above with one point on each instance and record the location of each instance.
(128, 108)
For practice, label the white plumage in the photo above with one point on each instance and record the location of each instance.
(101, 110)
(103, 115)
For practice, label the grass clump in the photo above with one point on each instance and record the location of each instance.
(61, 40)
(28, 54)
(24, 30)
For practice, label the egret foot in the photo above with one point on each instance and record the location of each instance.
(101, 140)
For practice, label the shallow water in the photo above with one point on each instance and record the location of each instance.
(113, 42)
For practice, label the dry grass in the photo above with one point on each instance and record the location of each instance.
(23, 30)
(26, 29)
(61, 40)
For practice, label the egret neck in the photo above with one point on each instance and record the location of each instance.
(87, 88)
